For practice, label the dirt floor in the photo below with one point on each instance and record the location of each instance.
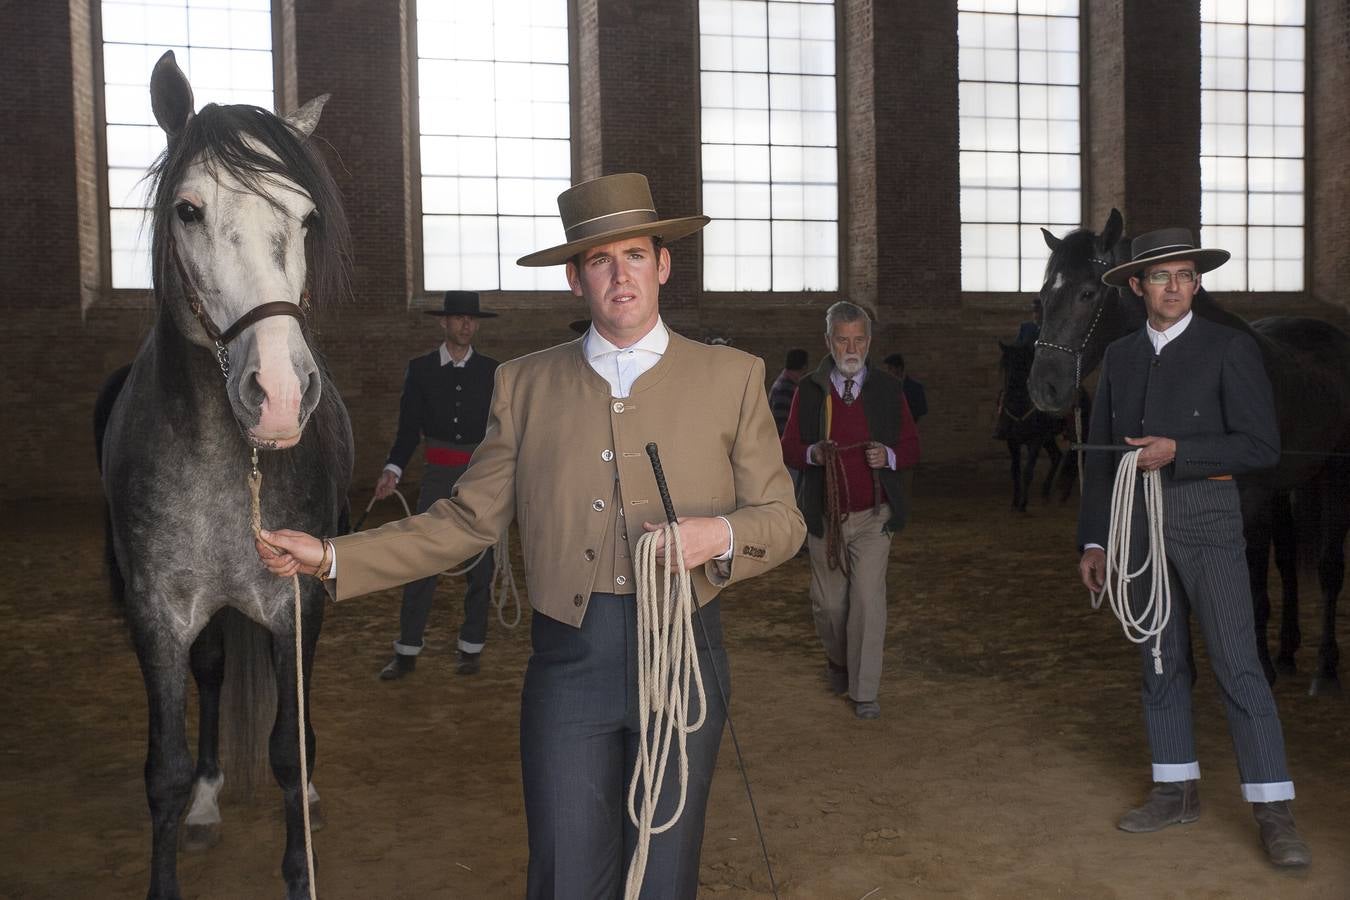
(1010, 740)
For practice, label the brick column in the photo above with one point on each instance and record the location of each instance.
(1328, 172)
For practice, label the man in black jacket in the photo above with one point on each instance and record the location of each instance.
(446, 397)
(1193, 396)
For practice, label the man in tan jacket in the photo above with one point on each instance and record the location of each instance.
(564, 454)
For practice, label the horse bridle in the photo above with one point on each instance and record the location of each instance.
(1096, 317)
(222, 339)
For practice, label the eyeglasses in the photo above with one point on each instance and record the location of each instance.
(1185, 276)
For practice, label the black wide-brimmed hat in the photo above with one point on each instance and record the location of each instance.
(608, 209)
(1164, 245)
(460, 303)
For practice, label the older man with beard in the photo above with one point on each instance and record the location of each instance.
(850, 454)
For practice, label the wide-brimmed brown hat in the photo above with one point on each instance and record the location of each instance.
(1161, 246)
(460, 303)
(608, 209)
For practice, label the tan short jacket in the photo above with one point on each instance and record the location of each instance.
(567, 461)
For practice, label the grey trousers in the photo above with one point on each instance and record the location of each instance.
(437, 483)
(578, 746)
(1208, 569)
(850, 611)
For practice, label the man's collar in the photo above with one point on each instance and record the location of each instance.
(448, 360)
(1161, 339)
(655, 341)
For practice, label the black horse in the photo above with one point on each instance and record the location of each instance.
(1308, 362)
(1024, 427)
(247, 225)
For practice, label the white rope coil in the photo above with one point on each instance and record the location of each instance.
(667, 667)
(1153, 618)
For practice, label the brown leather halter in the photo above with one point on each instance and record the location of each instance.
(220, 338)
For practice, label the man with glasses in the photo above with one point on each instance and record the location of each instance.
(1192, 395)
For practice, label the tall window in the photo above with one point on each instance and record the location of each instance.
(493, 109)
(770, 145)
(1019, 108)
(1252, 141)
(225, 49)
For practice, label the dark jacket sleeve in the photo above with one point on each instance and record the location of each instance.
(1094, 515)
(794, 451)
(918, 399)
(1251, 438)
(410, 407)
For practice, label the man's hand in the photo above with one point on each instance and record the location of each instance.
(702, 538)
(295, 552)
(385, 486)
(876, 455)
(815, 455)
(1092, 569)
(1158, 452)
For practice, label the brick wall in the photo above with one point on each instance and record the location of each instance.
(1329, 151)
(636, 106)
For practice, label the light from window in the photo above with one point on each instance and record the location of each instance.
(1020, 137)
(1252, 142)
(225, 49)
(770, 145)
(495, 125)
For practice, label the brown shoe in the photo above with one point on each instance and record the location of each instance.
(1279, 836)
(467, 663)
(397, 667)
(1169, 803)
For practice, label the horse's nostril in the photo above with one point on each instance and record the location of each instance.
(310, 398)
(251, 391)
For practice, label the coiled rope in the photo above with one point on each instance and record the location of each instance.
(667, 667)
(838, 502)
(255, 519)
(1153, 618)
(503, 577)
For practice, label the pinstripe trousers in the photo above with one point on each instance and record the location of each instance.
(1202, 528)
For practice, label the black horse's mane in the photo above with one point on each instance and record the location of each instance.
(250, 143)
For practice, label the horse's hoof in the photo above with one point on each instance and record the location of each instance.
(316, 816)
(1325, 686)
(200, 837)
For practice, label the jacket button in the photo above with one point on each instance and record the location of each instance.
(576, 601)
(607, 455)
(590, 555)
(598, 505)
(618, 406)
(459, 387)
(620, 580)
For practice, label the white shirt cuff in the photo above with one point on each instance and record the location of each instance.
(390, 467)
(890, 459)
(1087, 547)
(731, 541)
(332, 568)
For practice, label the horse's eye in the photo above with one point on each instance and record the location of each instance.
(187, 213)
(1089, 293)
(310, 220)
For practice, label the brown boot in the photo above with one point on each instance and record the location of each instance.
(1169, 803)
(1279, 836)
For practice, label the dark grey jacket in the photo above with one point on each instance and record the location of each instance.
(1207, 390)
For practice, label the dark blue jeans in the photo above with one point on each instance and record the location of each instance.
(578, 746)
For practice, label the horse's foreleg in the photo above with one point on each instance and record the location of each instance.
(1029, 473)
(284, 749)
(168, 765)
(1256, 530)
(208, 668)
(1331, 575)
(1015, 464)
(1285, 538)
(1054, 455)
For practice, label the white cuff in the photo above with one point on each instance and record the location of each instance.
(470, 648)
(1163, 772)
(1268, 792)
(332, 567)
(890, 459)
(731, 541)
(1087, 547)
(390, 467)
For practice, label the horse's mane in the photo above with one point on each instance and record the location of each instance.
(249, 142)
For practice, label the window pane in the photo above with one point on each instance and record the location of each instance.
(225, 49)
(1020, 137)
(1252, 142)
(493, 104)
(770, 145)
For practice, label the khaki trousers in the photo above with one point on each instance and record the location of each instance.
(850, 612)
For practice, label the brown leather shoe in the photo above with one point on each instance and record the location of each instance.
(467, 663)
(1279, 836)
(1169, 803)
(397, 667)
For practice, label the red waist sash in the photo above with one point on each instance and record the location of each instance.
(444, 456)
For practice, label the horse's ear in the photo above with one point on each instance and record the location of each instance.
(170, 95)
(1050, 240)
(1115, 225)
(306, 118)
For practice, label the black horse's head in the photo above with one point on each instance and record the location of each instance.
(1074, 301)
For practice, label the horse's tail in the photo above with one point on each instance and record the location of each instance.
(248, 701)
(103, 405)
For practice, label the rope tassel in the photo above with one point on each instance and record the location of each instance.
(1116, 586)
(667, 668)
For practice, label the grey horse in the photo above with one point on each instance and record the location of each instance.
(247, 224)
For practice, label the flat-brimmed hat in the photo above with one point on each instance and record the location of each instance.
(460, 303)
(608, 209)
(1164, 245)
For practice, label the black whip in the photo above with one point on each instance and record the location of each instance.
(1126, 448)
(717, 675)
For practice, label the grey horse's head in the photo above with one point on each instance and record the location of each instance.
(243, 210)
